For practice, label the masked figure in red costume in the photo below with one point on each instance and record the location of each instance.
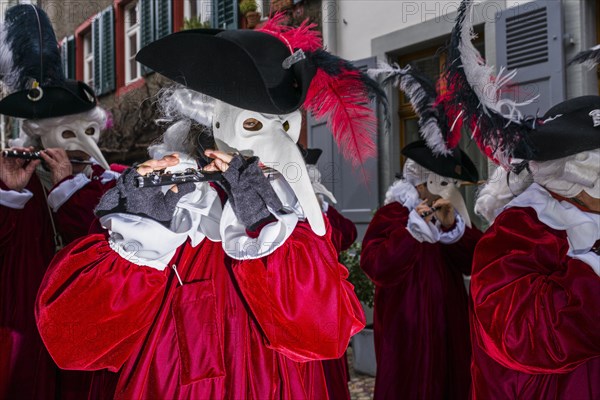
(416, 250)
(535, 288)
(42, 205)
(535, 283)
(225, 291)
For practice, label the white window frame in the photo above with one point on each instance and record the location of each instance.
(203, 9)
(132, 28)
(88, 58)
(263, 7)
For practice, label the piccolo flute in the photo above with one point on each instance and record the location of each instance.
(158, 178)
(34, 155)
(431, 211)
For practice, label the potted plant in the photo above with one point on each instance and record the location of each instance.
(249, 8)
(194, 23)
(363, 343)
(280, 5)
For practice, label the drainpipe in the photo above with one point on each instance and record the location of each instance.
(330, 12)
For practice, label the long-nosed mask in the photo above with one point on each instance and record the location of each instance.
(447, 188)
(70, 132)
(272, 138)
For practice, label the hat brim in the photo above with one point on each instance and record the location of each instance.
(458, 166)
(569, 130)
(72, 98)
(240, 67)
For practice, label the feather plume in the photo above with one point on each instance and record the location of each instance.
(424, 100)
(341, 101)
(28, 49)
(475, 94)
(304, 37)
(339, 92)
(589, 58)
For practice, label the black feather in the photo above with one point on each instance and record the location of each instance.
(493, 132)
(31, 42)
(590, 57)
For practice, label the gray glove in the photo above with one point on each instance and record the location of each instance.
(148, 202)
(250, 192)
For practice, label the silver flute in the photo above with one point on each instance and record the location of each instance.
(160, 178)
(426, 214)
(34, 155)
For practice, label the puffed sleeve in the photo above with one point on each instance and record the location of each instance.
(343, 231)
(386, 242)
(74, 205)
(300, 297)
(93, 307)
(535, 309)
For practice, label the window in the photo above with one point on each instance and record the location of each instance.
(200, 10)
(88, 59)
(225, 14)
(133, 70)
(67, 56)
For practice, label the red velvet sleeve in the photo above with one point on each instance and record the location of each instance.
(75, 217)
(94, 307)
(11, 218)
(343, 231)
(460, 254)
(536, 310)
(300, 297)
(389, 250)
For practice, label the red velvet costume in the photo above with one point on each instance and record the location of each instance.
(235, 329)
(26, 248)
(420, 317)
(343, 234)
(536, 314)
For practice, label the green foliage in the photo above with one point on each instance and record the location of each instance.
(194, 23)
(247, 6)
(363, 286)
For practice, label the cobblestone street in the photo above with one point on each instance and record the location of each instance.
(361, 386)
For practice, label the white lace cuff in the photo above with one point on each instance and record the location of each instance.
(62, 193)
(422, 230)
(14, 199)
(455, 234)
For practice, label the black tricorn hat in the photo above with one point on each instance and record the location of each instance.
(570, 127)
(311, 156)
(457, 165)
(249, 72)
(71, 97)
(32, 69)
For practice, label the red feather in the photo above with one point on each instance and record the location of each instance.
(304, 37)
(343, 101)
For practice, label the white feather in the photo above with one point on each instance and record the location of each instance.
(482, 78)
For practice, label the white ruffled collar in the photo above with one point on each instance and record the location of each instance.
(583, 229)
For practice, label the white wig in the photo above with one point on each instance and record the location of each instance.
(566, 177)
(414, 173)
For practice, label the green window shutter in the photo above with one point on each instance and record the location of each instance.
(64, 57)
(96, 40)
(164, 18)
(147, 21)
(147, 26)
(108, 50)
(225, 14)
(71, 57)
